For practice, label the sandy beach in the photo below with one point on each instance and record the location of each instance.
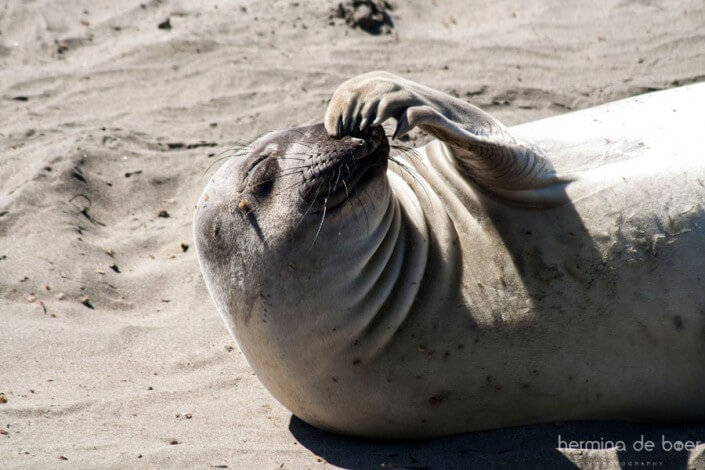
(112, 118)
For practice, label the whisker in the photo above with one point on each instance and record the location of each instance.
(291, 142)
(364, 211)
(226, 157)
(313, 201)
(413, 174)
(268, 180)
(323, 217)
(347, 191)
(345, 186)
(288, 188)
(407, 151)
(299, 167)
(340, 170)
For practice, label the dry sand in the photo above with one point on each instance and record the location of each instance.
(111, 353)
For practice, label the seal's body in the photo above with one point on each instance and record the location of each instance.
(500, 276)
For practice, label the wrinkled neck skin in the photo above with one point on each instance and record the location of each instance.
(289, 300)
(354, 283)
(395, 263)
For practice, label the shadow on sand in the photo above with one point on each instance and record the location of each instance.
(514, 448)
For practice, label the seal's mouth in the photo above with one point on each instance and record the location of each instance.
(346, 167)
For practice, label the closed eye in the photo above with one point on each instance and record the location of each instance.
(260, 178)
(254, 164)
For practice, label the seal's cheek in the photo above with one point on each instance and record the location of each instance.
(209, 230)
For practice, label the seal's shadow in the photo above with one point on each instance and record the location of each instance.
(511, 448)
(553, 252)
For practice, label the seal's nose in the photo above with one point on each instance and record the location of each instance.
(366, 142)
(362, 147)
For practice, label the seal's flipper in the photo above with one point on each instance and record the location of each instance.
(486, 151)
(484, 148)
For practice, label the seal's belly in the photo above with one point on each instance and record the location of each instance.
(631, 247)
(627, 239)
(639, 196)
(635, 216)
(592, 309)
(601, 300)
(628, 243)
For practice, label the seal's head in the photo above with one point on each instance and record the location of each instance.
(284, 232)
(324, 172)
(282, 228)
(290, 184)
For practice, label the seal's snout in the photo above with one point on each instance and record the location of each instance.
(339, 166)
(365, 142)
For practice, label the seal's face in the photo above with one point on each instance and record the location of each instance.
(290, 184)
(322, 171)
(294, 201)
(290, 235)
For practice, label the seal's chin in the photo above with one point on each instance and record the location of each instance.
(347, 172)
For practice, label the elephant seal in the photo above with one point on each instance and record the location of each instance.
(498, 277)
